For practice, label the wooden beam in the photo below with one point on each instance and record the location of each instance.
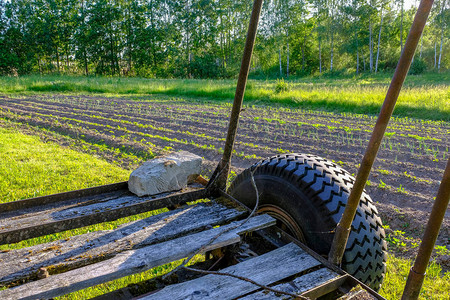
(265, 269)
(112, 206)
(23, 264)
(40, 201)
(134, 261)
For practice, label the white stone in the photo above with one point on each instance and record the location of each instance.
(165, 174)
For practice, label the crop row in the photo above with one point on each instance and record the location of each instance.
(428, 142)
(120, 122)
(154, 127)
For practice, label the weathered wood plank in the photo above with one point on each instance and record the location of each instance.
(133, 261)
(296, 286)
(91, 247)
(265, 269)
(40, 201)
(60, 218)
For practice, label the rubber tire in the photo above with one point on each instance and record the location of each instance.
(314, 192)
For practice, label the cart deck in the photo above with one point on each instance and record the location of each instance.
(253, 248)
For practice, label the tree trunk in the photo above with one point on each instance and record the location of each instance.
(279, 59)
(333, 7)
(287, 61)
(303, 54)
(421, 46)
(57, 59)
(364, 62)
(222, 43)
(111, 44)
(435, 55)
(379, 41)
(370, 47)
(66, 50)
(440, 48)
(401, 27)
(188, 48)
(152, 23)
(442, 35)
(320, 57)
(129, 41)
(86, 69)
(331, 50)
(357, 52)
(113, 68)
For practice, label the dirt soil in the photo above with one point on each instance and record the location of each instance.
(403, 183)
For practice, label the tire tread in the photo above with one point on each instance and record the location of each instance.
(328, 186)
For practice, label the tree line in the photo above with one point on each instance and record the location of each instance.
(205, 38)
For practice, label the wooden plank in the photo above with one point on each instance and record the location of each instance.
(20, 227)
(296, 286)
(329, 287)
(40, 201)
(265, 269)
(133, 261)
(22, 264)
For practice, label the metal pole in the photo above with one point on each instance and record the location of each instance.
(343, 227)
(220, 175)
(417, 272)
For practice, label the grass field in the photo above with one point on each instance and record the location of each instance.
(48, 161)
(425, 96)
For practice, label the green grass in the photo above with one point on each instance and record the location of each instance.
(30, 167)
(436, 284)
(424, 97)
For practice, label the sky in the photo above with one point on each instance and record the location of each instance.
(409, 3)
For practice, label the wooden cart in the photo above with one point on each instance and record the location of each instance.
(252, 248)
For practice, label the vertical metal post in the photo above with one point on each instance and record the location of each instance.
(343, 227)
(417, 272)
(220, 175)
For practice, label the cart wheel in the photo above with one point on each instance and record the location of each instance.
(307, 195)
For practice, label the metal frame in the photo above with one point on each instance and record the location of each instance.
(343, 228)
(220, 176)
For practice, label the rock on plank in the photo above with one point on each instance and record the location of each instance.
(164, 174)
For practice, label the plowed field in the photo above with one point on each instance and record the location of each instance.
(404, 180)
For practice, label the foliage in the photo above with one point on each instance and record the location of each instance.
(418, 66)
(204, 38)
(281, 86)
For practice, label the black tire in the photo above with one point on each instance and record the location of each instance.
(313, 192)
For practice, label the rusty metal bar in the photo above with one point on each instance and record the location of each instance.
(417, 272)
(220, 175)
(343, 227)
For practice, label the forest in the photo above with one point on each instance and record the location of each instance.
(205, 38)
